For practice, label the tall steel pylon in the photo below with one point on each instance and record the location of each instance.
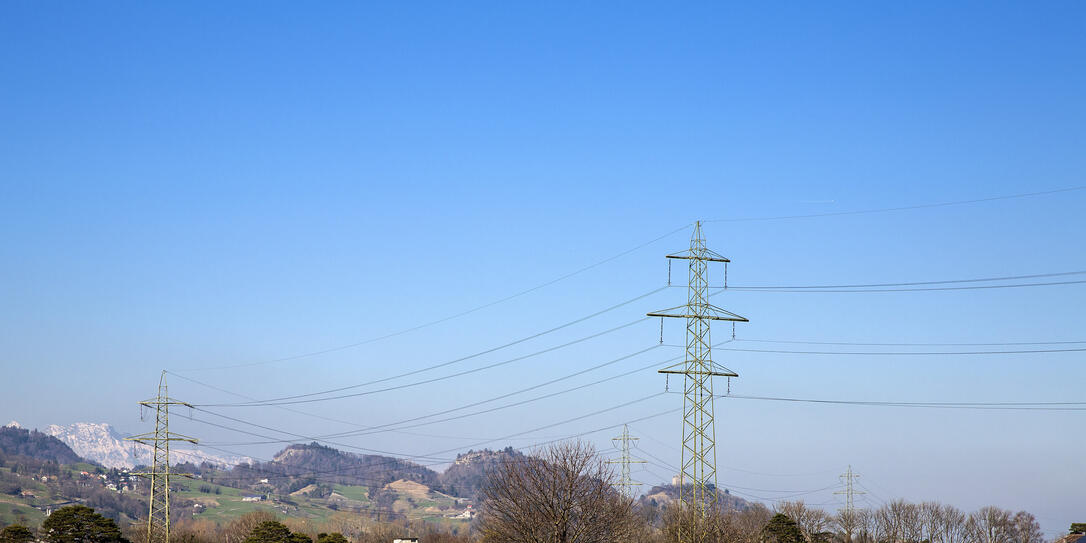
(158, 513)
(625, 481)
(850, 507)
(698, 370)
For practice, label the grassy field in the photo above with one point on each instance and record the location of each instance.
(222, 504)
(20, 509)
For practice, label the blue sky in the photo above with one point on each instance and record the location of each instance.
(207, 185)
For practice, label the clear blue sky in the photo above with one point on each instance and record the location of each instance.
(204, 185)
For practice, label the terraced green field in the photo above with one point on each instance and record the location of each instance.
(222, 504)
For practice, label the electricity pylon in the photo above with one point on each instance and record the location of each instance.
(158, 514)
(698, 369)
(847, 478)
(625, 481)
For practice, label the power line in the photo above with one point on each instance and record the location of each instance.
(914, 283)
(919, 289)
(1014, 406)
(448, 318)
(298, 436)
(574, 419)
(537, 444)
(907, 353)
(287, 401)
(729, 468)
(395, 426)
(379, 428)
(854, 343)
(433, 455)
(900, 208)
(872, 493)
(791, 493)
(306, 413)
(483, 352)
(367, 430)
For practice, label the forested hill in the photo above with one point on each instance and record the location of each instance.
(32, 443)
(302, 464)
(297, 466)
(661, 495)
(467, 476)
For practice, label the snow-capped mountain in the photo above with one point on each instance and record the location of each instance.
(99, 442)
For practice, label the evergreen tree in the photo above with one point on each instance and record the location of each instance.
(80, 524)
(16, 534)
(334, 537)
(274, 532)
(782, 529)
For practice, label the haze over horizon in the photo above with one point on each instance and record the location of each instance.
(271, 203)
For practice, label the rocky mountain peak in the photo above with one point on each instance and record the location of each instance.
(101, 443)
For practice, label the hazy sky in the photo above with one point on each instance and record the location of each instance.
(199, 186)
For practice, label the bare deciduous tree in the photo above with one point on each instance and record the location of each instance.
(929, 521)
(748, 523)
(847, 523)
(1026, 529)
(710, 526)
(953, 525)
(563, 494)
(240, 528)
(812, 522)
(991, 525)
(872, 526)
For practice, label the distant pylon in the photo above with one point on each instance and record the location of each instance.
(158, 514)
(699, 431)
(849, 511)
(625, 481)
(847, 478)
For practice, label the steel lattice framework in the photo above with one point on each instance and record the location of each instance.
(625, 480)
(158, 515)
(850, 507)
(697, 479)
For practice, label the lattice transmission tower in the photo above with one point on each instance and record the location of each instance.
(698, 369)
(625, 480)
(850, 507)
(158, 515)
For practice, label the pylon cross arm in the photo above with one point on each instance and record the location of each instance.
(706, 311)
(151, 437)
(707, 255)
(154, 402)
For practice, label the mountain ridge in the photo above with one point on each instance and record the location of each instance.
(16, 440)
(101, 443)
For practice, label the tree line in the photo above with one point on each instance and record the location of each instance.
(566, 494)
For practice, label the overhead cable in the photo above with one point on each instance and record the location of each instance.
(286, 401)
(908, 353)
(1001, 406)
(862, 344)
(448, 318)
(900, 208)
(479, 353)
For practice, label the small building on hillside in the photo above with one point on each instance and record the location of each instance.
(467, 514)
(259, 498)
(406, 540)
